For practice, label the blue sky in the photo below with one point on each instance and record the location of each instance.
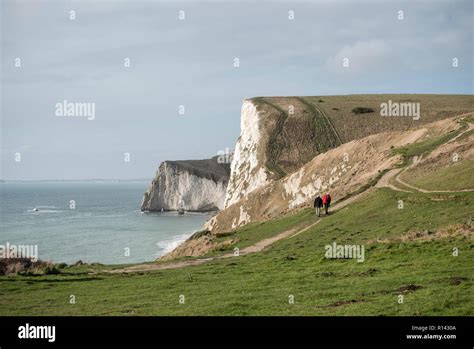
(190, 62)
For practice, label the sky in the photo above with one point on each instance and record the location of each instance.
(51, 55)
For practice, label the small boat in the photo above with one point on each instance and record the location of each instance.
(35, 209)
(180, 211)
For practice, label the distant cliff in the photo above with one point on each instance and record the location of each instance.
(196, 185)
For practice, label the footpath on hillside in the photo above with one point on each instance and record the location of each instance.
(388, 180)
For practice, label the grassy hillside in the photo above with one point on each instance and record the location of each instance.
(354, 126)
(457, 176)
(299, 128)
(417, 259)
(328, 135)
(431, 279)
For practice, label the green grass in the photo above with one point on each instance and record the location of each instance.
(254, 232)
(456, 176)
(469, 119)
(466, 135)
(259, 284)
(425, 146)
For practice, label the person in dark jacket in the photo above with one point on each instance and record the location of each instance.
(326, 202)
(318, 203)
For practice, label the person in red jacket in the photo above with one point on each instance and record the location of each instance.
(326, 202)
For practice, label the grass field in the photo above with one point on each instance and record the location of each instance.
(418, 260)
(254, 232)
(457, 176)
(451, 175)
(428, 276)
(351, 126)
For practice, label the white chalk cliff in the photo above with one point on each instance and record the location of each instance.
(247, 168)
(195, 185)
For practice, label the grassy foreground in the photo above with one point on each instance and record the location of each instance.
(423, 270)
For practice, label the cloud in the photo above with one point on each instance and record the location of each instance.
(191, 62)
(373, 56)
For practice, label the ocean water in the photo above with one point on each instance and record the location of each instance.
(105, 224)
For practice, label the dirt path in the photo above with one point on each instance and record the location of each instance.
(321, 111)
(470, 128)
(386, 180)
(421, 190)
(383, 182)
(262, 244)
(316, 109)
(417, 160)
(157, 266)
(257, 247)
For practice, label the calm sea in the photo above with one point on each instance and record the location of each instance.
(105, 226)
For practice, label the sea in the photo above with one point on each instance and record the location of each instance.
(90, 221)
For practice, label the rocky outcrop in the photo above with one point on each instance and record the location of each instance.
(194, 185)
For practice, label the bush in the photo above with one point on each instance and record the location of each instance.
(24, 266)
(50, 270)
(362, 110)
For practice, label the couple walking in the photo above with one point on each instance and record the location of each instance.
(325, 201)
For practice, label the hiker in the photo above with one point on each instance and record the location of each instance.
(318, 203)
(326, 202)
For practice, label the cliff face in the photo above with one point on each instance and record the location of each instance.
(277, 137)
(195, 185)
(280, 136)
(247, 169)
(291, 148)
